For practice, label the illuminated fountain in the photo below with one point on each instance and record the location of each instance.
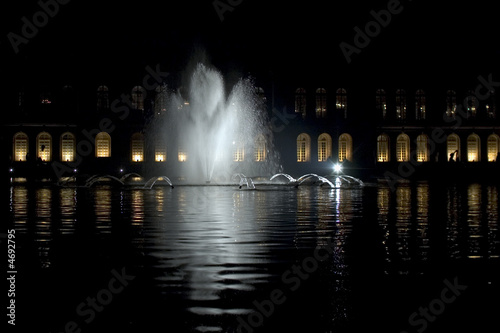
(338, 180)
(217, 134)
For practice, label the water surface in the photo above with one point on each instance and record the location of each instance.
(274, 259)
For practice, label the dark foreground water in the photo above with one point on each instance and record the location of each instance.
(420, 258)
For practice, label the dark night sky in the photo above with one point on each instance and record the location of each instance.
(89, 40)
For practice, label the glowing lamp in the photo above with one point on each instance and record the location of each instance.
(337, 168)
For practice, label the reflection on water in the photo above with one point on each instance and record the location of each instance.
(19, 207)
(67, 205)
(474, 232)
(422, 219)
(207, 253)
(43, 224)
(470, 216)
(102, 209)
(492, 222)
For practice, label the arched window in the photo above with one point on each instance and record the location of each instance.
(453, 147)
(238, 151)
(473, 148)
(422, 148)
(20, 147)
(102, 97)
(383, 148)
(161, 99)
(420, 105)
(403, 148)
(320, 103)
(137, 147)
(341, 101)
(68, 147)
(381, 102)
(472, 104)
(401, 104)
(324, 147)
(103, 145)
(300, 101)
(160, 151)
(345, 147)
(303, 148)
(493, 147)
(451, 103)
(490, 106)
(181, 154)
(138, 96)
(44, 146)
(260, 149)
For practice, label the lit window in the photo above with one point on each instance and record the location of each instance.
(137, 147)
(403, 148)
(138, 95)
(20, 147)
(345, 147)
(453, 147)
(300, 101)
(68, 147)
(44, 146)
(238, 151)
(324, 147)
(473, 151)
(451, 103)
(320, 103)
(160, 151)
(420, 105)
(422, 148)
(181, 155)
(103, 145)
(102, 97)
(401, 104)
(493, 147)
(381, 102)
(472, 104)
(260, 149)
(383, 148)
(303, 148)
(341, 101)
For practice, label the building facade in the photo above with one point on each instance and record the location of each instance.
(398, 132)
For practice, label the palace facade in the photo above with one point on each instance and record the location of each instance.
(402, 132)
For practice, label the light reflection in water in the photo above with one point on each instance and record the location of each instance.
(470, 222)
(215, 248)
(454, 211)
(43, 225)
(207, 243)
(474, 227)
(493, 222)
(159, 199)
(19, 207)
(422, 220)
(137, 207)
(102, 209)
(68, 210)
(403, 226)
(347, 205)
